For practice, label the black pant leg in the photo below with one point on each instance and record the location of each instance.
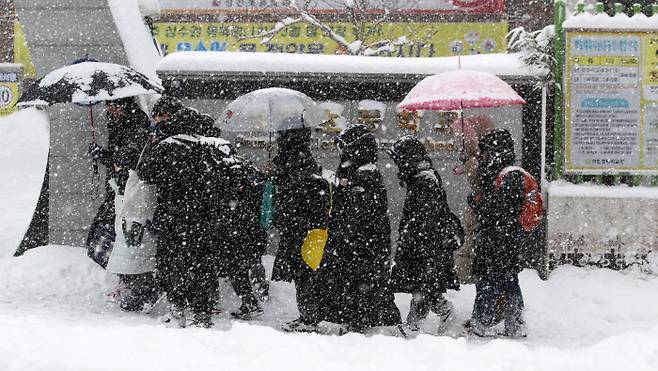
(310, 295)
(242, 284)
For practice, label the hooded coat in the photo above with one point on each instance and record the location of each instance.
(500, 236)
(358, 251)
(127, 135)
(300, 201)
(429, 232)
(207, 205)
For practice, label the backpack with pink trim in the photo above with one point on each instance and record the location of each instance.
(532, 212)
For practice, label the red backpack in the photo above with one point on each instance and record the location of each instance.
(533, 205)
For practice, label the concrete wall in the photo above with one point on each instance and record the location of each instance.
(611, 232)
(59, 32)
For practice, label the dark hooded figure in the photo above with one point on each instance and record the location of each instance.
(301, 200)
(499, 239)
(252, 237)
(358, 252)
(127, 127)
(192, 179)
(428, 236)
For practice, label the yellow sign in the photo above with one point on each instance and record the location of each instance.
(650, 67)
(424, 39)
(8, 92)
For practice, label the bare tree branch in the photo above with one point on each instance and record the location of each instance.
(357, 11)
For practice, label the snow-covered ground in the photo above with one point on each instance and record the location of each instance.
(55, 315)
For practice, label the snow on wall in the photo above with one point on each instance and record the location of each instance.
(197, 62)
(596, 219)
(24, 145)
(618, 22)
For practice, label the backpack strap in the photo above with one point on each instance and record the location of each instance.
(501, 176)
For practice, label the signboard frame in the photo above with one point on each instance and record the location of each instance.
(10, 77)
(334, 7)
(429, 39)
(648, 39)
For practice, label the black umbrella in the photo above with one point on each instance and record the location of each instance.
(89, 82)
(86, 83)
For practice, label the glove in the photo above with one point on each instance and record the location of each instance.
(95, 151)
(133, 234)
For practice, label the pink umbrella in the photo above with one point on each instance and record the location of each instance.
(459, 89)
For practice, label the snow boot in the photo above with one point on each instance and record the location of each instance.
(299, 325)
(177, 316)
(248, 312)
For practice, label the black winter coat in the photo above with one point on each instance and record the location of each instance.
(500, 235)
(189, 173)
(300, 203)
(127, 136)
(428, 236)
(357, 256)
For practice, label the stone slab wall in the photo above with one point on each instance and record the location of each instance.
(59, 32)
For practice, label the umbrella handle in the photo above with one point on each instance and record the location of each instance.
(93, 136)
(461, 104)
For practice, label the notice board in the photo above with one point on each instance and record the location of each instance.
(611, 102)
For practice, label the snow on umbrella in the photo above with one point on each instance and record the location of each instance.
(89, 82)
(459, 89)
(270, 110)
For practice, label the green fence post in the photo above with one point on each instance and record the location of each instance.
(558, 49)
(654, 13)
(619, 8)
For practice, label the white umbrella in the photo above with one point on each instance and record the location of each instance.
(271, 110)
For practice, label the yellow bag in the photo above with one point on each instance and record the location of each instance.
(313, 247)
(316, 240)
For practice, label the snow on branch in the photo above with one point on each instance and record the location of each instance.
(358, 14)
(536, 48)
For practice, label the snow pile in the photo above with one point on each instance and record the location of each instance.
(225, 62)
(566, 189)
(52, 299)
(53, 275)
(617, 22)
(24, 144)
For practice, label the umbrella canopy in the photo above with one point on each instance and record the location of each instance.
(270, 110)
(89, 82)
(459, 89)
